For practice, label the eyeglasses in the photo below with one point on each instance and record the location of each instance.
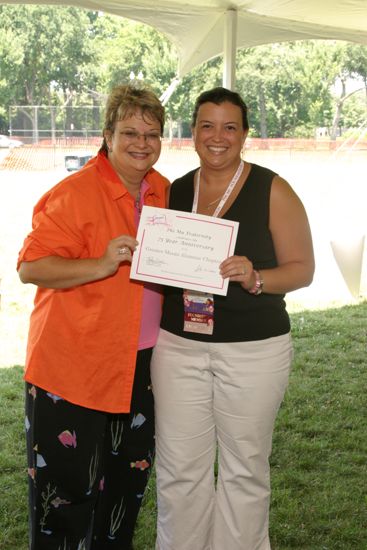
(131, 136)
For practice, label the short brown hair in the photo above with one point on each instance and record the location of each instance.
(124, 100)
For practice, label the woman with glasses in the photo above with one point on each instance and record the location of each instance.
(89, 404)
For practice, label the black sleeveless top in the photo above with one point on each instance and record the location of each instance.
(239, 316)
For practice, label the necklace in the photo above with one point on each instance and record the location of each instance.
(213, 202)
(225, 195)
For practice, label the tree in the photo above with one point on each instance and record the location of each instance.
(286, 87)
(64, 56)
(351, 63)
(46, 57)
(140, 53)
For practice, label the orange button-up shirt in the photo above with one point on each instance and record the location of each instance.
(83, 340)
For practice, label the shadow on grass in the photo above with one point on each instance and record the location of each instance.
(319, 450)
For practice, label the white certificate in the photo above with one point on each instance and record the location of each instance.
(183, 249)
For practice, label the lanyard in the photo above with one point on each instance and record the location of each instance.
(226, 194)
(199, 306)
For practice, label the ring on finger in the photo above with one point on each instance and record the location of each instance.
(123, 250)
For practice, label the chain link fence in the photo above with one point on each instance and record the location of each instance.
(44, 124)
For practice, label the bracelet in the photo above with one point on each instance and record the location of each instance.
(258, 286)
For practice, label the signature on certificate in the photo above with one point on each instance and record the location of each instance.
(157, 219)
(201, 269)
(154, 262)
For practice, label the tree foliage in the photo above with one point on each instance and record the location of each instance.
(68, 56)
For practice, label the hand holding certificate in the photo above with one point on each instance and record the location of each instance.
(183, 249)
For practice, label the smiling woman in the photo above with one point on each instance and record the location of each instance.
(130, 155)
(219, 136)
(219, 378)
(91, 337)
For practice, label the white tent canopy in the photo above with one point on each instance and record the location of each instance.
(202, 29)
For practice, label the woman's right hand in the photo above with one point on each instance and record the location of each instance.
(118, 250)
(58, 272)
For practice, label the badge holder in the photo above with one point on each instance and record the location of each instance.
(198, 312)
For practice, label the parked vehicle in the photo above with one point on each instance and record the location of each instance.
(9, 143)
(77, 160)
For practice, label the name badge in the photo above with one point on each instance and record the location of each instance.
(198, 312)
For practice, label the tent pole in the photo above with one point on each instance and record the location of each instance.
(167, 93)
(229, 49)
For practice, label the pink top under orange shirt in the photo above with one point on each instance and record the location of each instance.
(83, 340)
(152, 298)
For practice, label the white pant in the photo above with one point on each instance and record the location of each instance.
(209, 393)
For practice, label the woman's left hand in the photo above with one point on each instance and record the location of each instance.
(238, 269)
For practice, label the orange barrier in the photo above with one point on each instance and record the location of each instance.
(46, 155)
(36, 157)
(283, 144)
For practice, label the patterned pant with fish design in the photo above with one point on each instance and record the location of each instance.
(88, 469)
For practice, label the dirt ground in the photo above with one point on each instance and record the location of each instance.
(332, 186)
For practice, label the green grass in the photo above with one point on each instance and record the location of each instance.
(13, 479)
(320, 449)
(319, 453)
